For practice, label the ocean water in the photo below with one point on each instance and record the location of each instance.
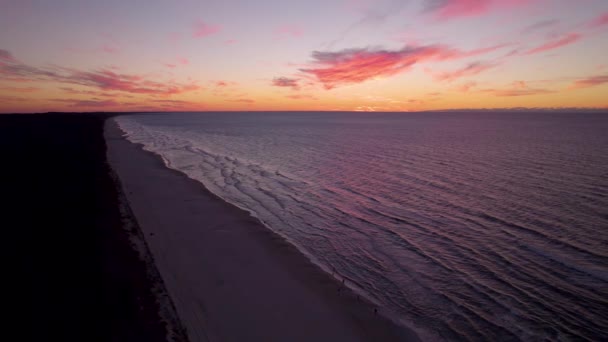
(464, 226)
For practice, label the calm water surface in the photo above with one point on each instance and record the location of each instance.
(483, 226)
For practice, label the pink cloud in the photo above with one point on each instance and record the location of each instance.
(358, 65)
(466, 87)
(179, 61)
(90, 103)
(551, 45)
(469, 70)
(230, 41)
(590, 81)
(6, 57)
(288, 30)
(351, 66)
(518, 88)
(107, 48)
(85, 92)
(301, 97)
(286, 82)
(249, 101)
(202, 29)
(109, 80)
(600, 21)
(174, 38)
(482, 51)
(449, 9)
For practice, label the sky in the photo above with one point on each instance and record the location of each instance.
(346, 55)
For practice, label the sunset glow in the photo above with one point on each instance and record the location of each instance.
(374, 55)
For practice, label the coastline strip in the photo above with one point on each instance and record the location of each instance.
(230, 277)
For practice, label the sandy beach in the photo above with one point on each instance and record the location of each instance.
(229, 276)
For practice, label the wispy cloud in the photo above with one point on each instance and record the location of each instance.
(601, 21)
(95, 103)
(301, 97)
(469, 70)
(6, 57)
(202, 29)
(555, 44)
(518, 88)
(248, 101)
(286, 82)
(73, 91)
(20, 89)
(103, 79)
(450, 9)
(540, 26)
(288, 31)
(109, 48)
(373, 13)
(109, 80)
(590, 81)
(178, 61)
(466, 86)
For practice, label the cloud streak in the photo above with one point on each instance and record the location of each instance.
(469, 70)
(590, 81)
(103, 79)
(6, 57)
(601, 21)
(540, 26)
(89, 103)
(202, 29)
(288, 31)
(518, 88)
(555, 44)
(286, 82)
(179, 61)
(450, 9)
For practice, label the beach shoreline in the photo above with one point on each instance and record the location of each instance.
(257, 283)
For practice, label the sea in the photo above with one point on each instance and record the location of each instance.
(478, 226)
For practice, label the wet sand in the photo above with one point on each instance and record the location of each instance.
(229, 276)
